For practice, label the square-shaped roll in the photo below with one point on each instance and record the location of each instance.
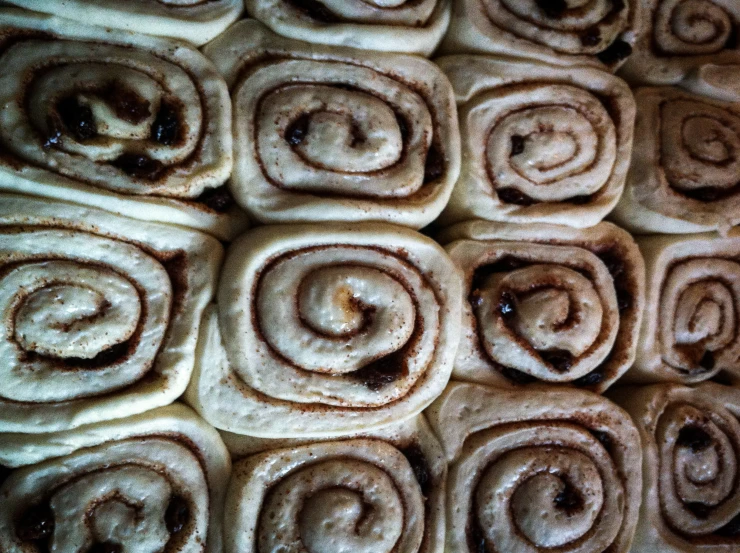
(325, 330)
(540, 143)
(336, 134)
(377, 491)
(546, 303)
(549, 470)
(100, 313)
(147, 483)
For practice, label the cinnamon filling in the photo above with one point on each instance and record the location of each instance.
(617, 269)
(383, 371)
(603, 438)
(177, 514)
(105, 547)
(166, 126)
(695, 438)
(415, 456)
(315, 10)
(36, 524)
(77, 118)
(617, 51)
(709, 193)
(476, 538)
(218, 199)
(569, 500)
(591, 379)
(554, 9)
(591, 36)
(127, 104)
(560, 360)
(435, 165)
(296, 132)
(140, 166)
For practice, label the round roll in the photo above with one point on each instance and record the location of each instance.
(553, 473)
(326, 330)
(599, 33)
(413, 26)
(380, 491)
(546, 304)
(540, 143)
(325, 133)
(685, 164)
(197, 21)
(100, 313)
(149, 483)
(133, 124)
(690, 331)
(690, 439)
(683, 39)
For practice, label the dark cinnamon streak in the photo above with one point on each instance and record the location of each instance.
(419, 465)
(35, 524)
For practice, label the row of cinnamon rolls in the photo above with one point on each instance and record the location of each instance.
(658, 41)
(295, 132)
(484, 470)
(330, 328)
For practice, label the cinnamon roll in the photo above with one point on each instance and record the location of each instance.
(197, 21)
(685, 165)
(540, 143)
(324, 133)
(685, 39)
(599, 33)
(413, 26)
(690, 331)
(148, 483)
(327, 330)
(551, 471)
(691, 439)
(100, 313)
(129, 123)
(377, 491)
(547, 303)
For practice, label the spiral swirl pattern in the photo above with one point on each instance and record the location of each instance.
(694, 332)
(93, 316)
(329, 133)
(684, 169)
(332, 328)
(196, 21)
(682, 36)
(598, 32)
(690, 439)
(563, 309)
(539, 143)
(414, 26)
(537, 476)
(141, 491)
(373, 492)
(129, 123)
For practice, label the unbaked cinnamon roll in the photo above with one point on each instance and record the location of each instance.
(100, 313)
(413, 26)
(149, 483)
(324, 330)
(685, 164)
(325, 133)
(553, 470)
(378, 491)
(547, 304)
(540, 143)
(691, 328)
(690, 439)
(599, 33)
(685, 39)
(197, 21)
(129, 123)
